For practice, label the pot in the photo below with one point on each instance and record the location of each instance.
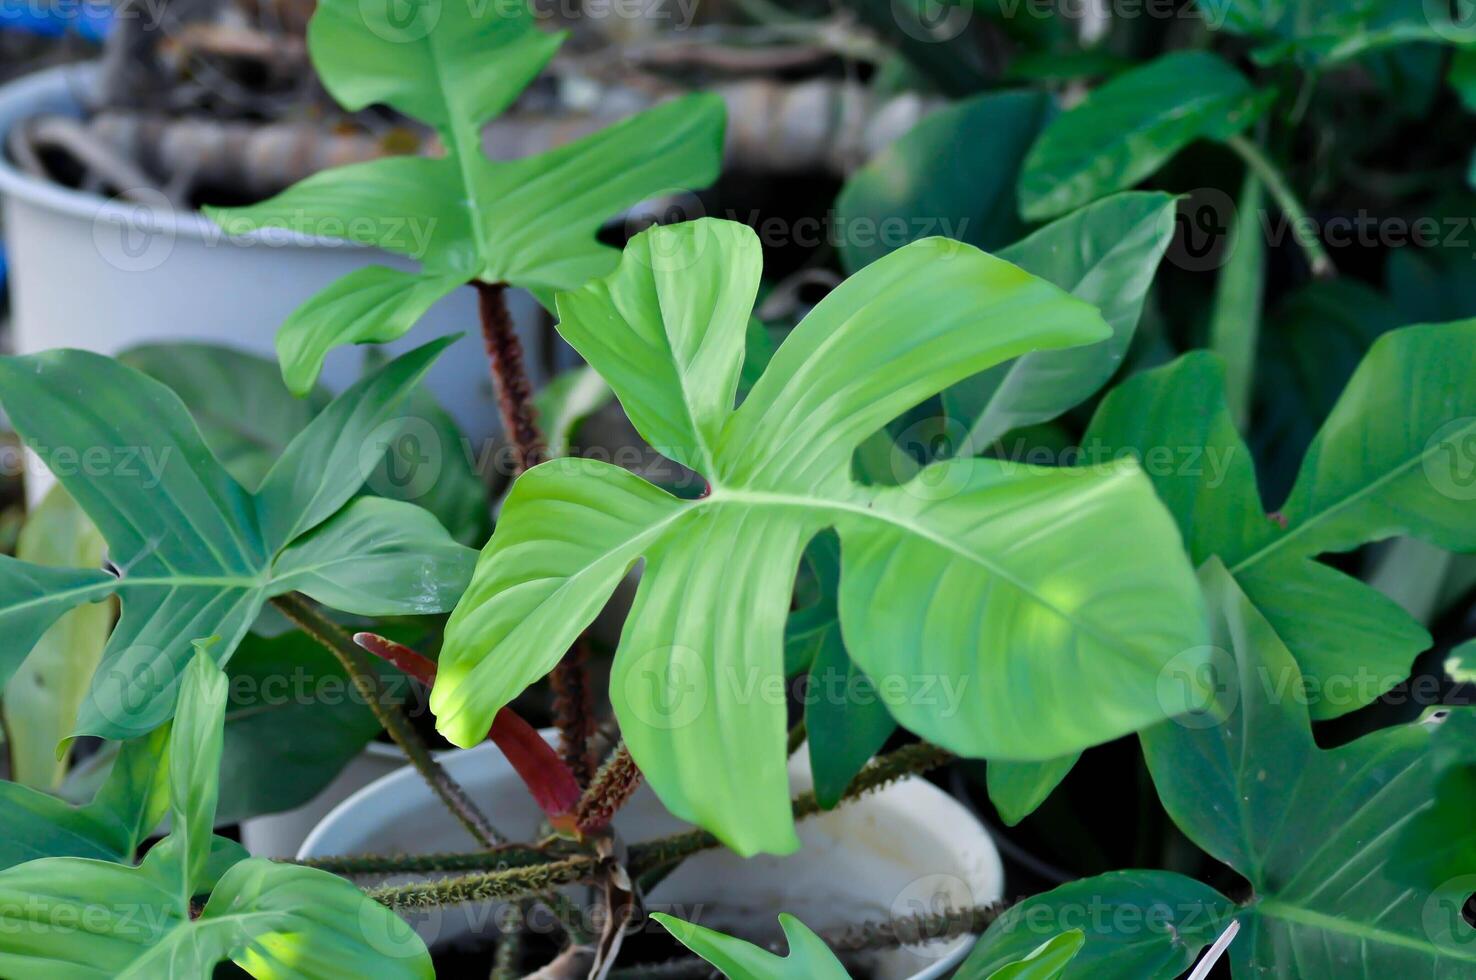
(107, 274)
(281, 834)
(908, 849)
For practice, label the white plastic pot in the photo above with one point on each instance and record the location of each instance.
(281, 834)
(105, 275)
(908, 849)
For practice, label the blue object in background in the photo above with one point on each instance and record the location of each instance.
(87, 19)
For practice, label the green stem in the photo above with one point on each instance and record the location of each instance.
(1303, 230)
(391, 716)
(493, 886)
(497, 859)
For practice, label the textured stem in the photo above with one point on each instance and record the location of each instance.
(508, 956)
(514, 391)
(391, 716)
(512, 883)
(519, 882)
(575, 715)
(1286, 199)
(574, 712)
(497, 859)
(611, 789)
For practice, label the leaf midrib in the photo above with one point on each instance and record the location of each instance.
(761, 498)
(1273, 908)
(1356, 496)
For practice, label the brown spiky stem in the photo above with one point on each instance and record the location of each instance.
(510, 377)
(520, 422)
(392, 716)
(612, 788)
(574, 712)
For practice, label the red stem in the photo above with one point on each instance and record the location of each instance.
(545, 774)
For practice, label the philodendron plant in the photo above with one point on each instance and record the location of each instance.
(839, 508)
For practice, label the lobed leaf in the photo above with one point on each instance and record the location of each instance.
(933, 573)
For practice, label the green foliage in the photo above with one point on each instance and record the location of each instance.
(43, 697)
(1313, 832)
(1046, 962)
(103, 917)
(463, 216)
(927, 182)
(696, 694)
(809, 958)
(1324, 33)
(193, 553)
(1105, 254)
(1389, 461)
(1129, 127)
(247, 417)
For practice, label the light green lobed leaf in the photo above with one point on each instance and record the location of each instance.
(809, 958)
(463, 217)
(1129, 127)
(968, 583)
(195, 554)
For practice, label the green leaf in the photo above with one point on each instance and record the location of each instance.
(1129, 127)
(566, 401)
(1437, 848)
(464, 217)
(1461, 664)
(1017, 789)
(196, 554)
(1388, 462)
(846, 720)
(1137, 925)
(247, 417)
(125, 810)
(1323, 331)
(1312, 830)
(378, 557)
(926, 182)
(92, 920)
(809, 958)
(1046, 962)
(245, 414)
(42, 698)
(1235, 323)
(1325, 33)
(1107, 255)
(698, 679)
(293, 722)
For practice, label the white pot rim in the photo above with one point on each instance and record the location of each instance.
(912, 795)
(69, 83)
